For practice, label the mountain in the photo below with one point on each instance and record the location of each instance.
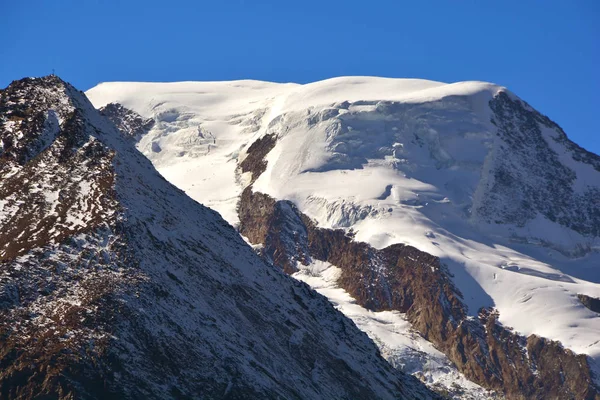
(455, 224)
(115, 284)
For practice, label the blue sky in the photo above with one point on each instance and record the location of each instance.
(547, 52)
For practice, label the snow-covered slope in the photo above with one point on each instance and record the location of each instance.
(115, 284)
(466, 172)
(194, 119)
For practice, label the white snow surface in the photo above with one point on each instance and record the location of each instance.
(397, 161)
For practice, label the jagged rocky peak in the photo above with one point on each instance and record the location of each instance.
(127, 121)
(56, 177)
(26, 130)
(115, 284)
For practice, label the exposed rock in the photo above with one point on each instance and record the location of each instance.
(126, 120)
(592, 303)
(255, 159)
(510, 196)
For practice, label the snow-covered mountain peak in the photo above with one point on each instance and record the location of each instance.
(467, 172)
(193, 119)
(211, 97)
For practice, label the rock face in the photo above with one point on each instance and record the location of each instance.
(405, 279)
(549, 188)
(115, 284)
(592, 303)
(127, 121)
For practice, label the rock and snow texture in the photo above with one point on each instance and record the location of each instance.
(126, 120)
(466, 172)
(401, 345)
(121, 285)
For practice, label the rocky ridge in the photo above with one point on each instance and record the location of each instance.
(511, 198)
(126, 120)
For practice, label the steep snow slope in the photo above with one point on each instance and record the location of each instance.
(463, 171)
(115, 284)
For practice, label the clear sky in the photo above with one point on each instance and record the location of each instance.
(546, 51)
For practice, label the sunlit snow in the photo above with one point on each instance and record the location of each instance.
(396, 161)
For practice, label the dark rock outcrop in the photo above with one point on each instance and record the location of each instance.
(255, 158)
(590, 302)
(126, 120)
